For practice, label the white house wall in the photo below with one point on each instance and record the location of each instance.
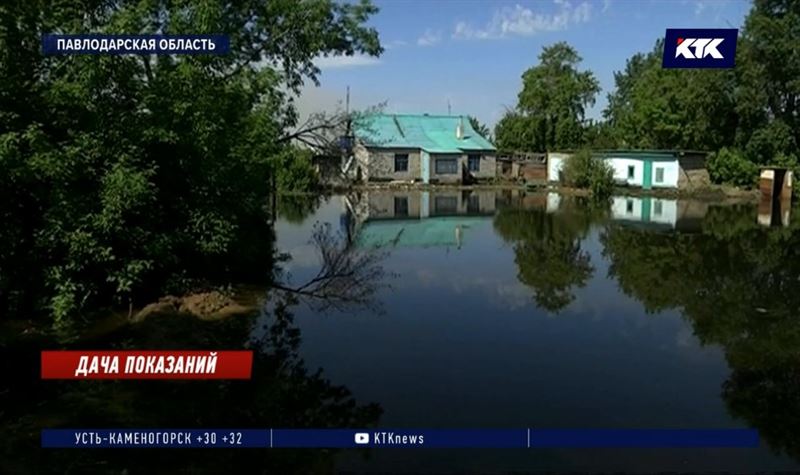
(671, 174)
(620, 167)
(555, 161)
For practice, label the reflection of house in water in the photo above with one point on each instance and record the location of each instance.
(415, 218)
(645, 210)
(775, 186)
(649, 212)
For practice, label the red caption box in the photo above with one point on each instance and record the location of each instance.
(144, 364)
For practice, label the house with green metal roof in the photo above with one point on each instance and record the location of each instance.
(421, 148)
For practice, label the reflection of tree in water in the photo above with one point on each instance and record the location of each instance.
(295, 208)
(547, 249)
(281, 393)
(347, 276)
(739, 286)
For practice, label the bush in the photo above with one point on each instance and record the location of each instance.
(730, 166)
(294, 171)
(582, 170)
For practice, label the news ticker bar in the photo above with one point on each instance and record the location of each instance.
(399, 438)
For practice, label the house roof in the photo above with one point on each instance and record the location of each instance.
(432, 133)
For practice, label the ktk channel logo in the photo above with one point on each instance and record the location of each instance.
(700, 48)
(362, 438)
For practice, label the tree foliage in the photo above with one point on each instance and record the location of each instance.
(117, 170)
(583, 170)
(480, 127)
(552, 104)
(730, 166)
(656, 108)
(293, 170)
(768, 68)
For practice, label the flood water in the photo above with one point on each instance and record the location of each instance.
(482, 309)
(542, 311)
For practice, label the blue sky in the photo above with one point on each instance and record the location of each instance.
(473, 52)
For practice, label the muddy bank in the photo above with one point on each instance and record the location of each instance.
(212, 305)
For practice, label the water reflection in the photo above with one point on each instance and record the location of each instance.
(672, 313)
(283, 392)
(391, 219)
(347, 276)
(714, 281)
(547, 247)
(737, 284)
(295, 208)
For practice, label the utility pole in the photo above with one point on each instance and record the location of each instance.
(348, 141)
(448, 107)
(348, 124)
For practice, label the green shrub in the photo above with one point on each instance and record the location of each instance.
(294, 171)
(582, 170)
(730, 166)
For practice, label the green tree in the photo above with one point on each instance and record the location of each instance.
(768, 68)
(583, 170)
(652, 107)
(551, 105)
(599, 135)
(514, 131)
(731, 166)
(480, 127)
(121, 171)
(293, 170)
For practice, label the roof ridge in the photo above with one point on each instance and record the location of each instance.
(422, 114)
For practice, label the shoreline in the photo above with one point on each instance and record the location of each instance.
(711, 193)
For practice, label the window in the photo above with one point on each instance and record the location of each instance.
(445, 204)
(401, 206)
(631, 169)
(400, 162)
(660, 175)
(446, 166)
(474, 163)
(658, 208)
(629, 207)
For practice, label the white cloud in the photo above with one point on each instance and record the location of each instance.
(429, 38)
(522, 21)
(334, 62)
(606, 5)
(394, 44)
(699, 7)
